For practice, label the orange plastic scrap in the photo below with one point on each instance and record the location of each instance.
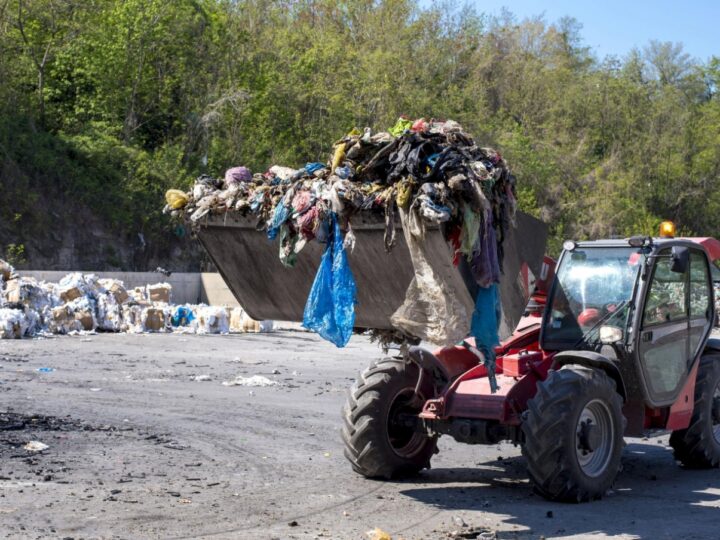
(378, 534)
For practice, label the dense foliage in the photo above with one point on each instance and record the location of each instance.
(114, 101)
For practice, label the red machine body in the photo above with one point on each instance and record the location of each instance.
(619, 343)
(521, 364)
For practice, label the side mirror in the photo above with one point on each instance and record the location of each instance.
(680, 259)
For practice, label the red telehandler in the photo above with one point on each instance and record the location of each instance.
(616, 342)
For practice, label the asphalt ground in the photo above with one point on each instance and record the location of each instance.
(144, 441)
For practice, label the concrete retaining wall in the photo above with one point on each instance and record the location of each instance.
(187, 287)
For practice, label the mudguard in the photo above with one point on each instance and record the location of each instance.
(593, 360)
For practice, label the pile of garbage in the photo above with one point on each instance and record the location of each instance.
(82, 303)
(429, 173)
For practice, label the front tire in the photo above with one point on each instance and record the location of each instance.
(698, 446)
(574, 434)
(377, 443)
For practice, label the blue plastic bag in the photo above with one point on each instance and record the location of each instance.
(330, 308)
(279, 217)
(312, 167)
(484, 327)
(182, 317)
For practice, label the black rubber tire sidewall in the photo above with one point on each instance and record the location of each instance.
(696, 446)
(367, 445)
(551, 437)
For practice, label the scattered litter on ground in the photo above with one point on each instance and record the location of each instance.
(45, 369)
(201, 378)
(378, 534)
(475, 533)
(255, 380)
(35, 446)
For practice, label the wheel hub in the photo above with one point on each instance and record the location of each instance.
(595, 438)
(402, 434)
(589, 436)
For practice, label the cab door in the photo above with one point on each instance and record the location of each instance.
(676, 317)
(701, 298)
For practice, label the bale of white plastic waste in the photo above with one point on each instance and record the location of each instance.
(159, 293)
(13, 323)
(84, 311)
(109, 313)
(36, 321)
(84, 302)
(116, 288)
(62, 320)
(132, 319)
(236, 316)
(35, 300)
(11, 293)
(7, 272)
(241, 322)
(267, 326)
(138, 294)
(153, 319)
(250, 325)
(212, 320)
(72, 287)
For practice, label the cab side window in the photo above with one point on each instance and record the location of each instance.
(700, 295)
(699, 287)
(667, 299)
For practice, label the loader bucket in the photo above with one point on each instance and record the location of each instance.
(266, 289)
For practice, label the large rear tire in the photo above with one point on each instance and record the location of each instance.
(378, 443)
(574, 434)
(698, 446)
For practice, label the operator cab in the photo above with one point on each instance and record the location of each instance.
(645, 304)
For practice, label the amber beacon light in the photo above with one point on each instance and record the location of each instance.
(667, 229)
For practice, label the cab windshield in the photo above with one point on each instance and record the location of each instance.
(594, 287)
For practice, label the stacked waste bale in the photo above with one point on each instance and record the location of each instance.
(82, 303)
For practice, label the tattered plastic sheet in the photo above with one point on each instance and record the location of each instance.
(431, 311)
